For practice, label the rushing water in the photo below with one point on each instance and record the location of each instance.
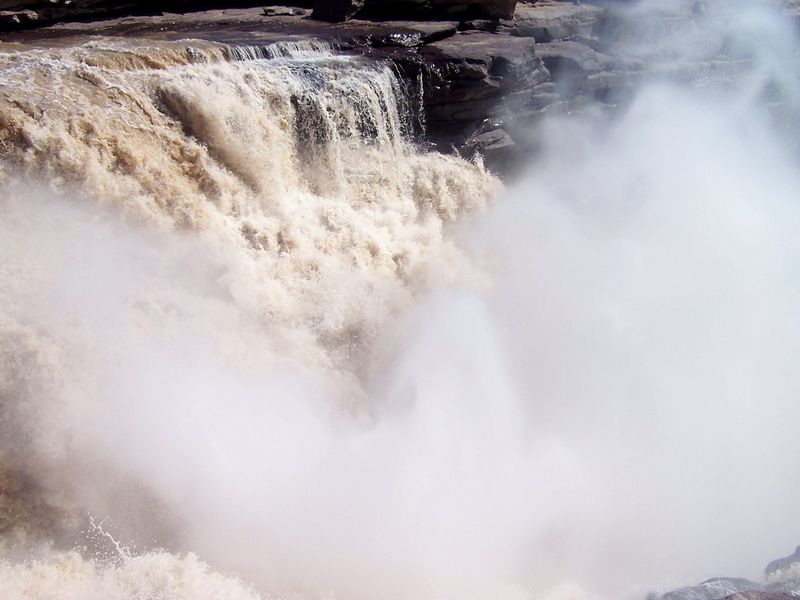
(244, 318)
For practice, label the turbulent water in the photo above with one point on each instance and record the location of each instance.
(246, 322)
(301, 159)
(276, 214)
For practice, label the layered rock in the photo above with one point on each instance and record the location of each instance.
(472, 77)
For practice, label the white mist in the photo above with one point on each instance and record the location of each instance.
(613, 412)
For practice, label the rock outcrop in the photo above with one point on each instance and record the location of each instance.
(486, 72)
(782, 582)
(482, 74)
(473, 77)
(555, 21)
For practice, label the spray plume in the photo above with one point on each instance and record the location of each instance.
(585, 391)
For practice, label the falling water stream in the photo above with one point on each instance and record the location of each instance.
(257, 342)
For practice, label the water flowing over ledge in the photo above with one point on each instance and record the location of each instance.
(301, 157)
(295, 167)
(245, 314)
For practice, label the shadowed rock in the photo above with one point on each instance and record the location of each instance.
(470, 74)
(336, 10)
(441, 9)
(496, 147)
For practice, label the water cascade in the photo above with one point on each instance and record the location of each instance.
(257, 342)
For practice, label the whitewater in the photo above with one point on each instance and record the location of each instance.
(256, 341)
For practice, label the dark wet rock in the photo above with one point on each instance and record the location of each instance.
(402, 39)
(440, 9)
(20, 14)
(473, 83)
(497, 148)
(480, 55)
(469, 76)
(336, 10)
(410, 34)
(16, 14)
(490, 141)
(25, 14)
(487, 25)
(14, 19)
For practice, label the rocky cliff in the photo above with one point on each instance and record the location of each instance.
(480, 68)
(483, 70)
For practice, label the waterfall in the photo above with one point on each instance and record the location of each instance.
(257, 342)
(269, 199)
